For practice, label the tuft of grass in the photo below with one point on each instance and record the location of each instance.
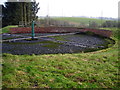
(51, 44)
(62, 38)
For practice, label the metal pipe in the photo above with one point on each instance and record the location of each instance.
(33, 31)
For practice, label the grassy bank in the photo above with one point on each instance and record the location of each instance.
(81, 70)
(6, 29)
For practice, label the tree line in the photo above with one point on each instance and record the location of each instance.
(19, 13)
(108, 23)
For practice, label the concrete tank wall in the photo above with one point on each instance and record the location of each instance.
(101, 32)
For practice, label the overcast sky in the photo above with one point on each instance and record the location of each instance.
(90, 8)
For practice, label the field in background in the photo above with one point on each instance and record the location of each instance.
(79, 20)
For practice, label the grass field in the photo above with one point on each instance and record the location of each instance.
(79, 20)
(81, 70)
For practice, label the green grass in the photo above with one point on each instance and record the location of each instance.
(51, 44)
(7, 29)
(61, 38)
(79, 20)
(81, 70)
